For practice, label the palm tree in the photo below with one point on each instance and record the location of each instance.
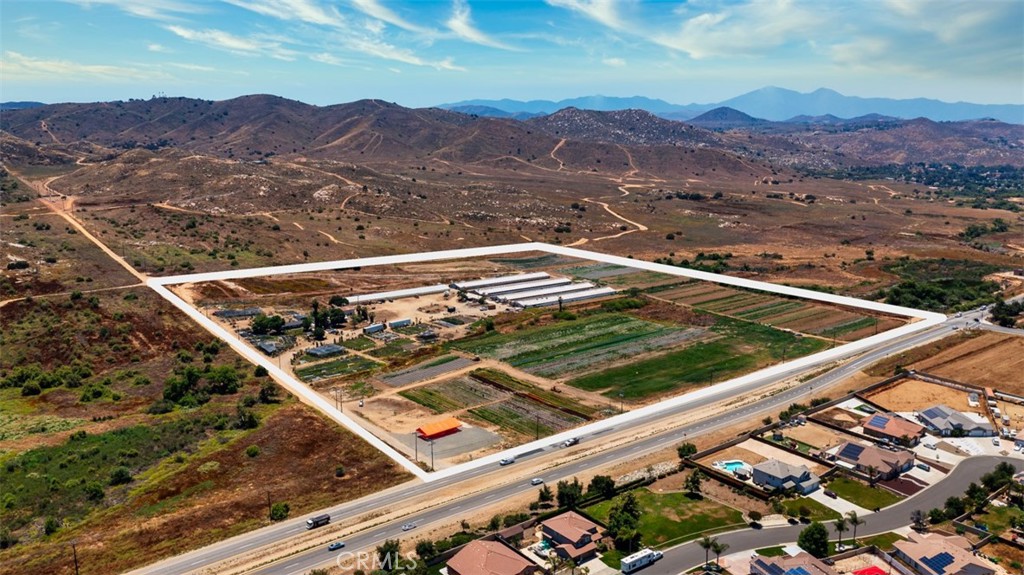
(706, 543)
(854, 521)
(718, 549)
(840, 527)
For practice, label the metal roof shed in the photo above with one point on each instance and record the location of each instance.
(501, 280)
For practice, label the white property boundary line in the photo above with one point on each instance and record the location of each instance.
(306, 393)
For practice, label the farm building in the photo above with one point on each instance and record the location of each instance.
(490, 558)
(439, 429)
(373, 328)
(568, 298)
(947, 421)
(399, 323)
(865, 458)
(428, 335)
(935, 554)
(238, 313)
(386, 295)
(326, 350)
(493, 292)
(893, 428)
(800, 564)
(267, 347)
(497, 281)
(775, 474)
(556, 290)
(292, 324)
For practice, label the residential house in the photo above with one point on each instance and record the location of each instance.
(874, 461)
(892, 428)
(949, 422)
(490, 558)
(572, 536)
(800, 564)
(934, 554)
(778, 475)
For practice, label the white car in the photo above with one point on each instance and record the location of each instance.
(408, 527)
(507, 461)
(1016, 447)
(995, 441)
(536, 481)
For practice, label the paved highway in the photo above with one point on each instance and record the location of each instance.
(412, 492)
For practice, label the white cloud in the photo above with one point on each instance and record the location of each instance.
(380, 49)
(604, 11)
(249, 46)
(374, 9)
(15, 65)
(325, 58)
(307, 11)
(192, 67)
(614, 62)
(154, 47)
(462, 25)
(150, 9)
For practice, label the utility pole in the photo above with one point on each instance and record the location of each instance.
(536, 427)
(416, 444)
(431, 454)
(74, 552)
(621, 410)
(269, 507)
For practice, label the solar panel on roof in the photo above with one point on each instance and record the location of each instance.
(851, 451)
(932, 413)
(774, 569)
(939, 562)
(798, 571)
(878, 421)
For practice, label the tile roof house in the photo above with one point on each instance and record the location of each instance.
(490, 558)
(887, 464)
(948, 421)
(775, 474)
(893, 428)
(800, 564)
(572, 536)
(934, 554)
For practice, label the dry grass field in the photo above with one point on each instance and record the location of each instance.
(910, 395)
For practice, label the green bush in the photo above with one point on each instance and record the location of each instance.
(51, 526)
(279, 511)
(94, 491)
(339, 471)
(252, 450)
(31, 388)
(120, 476)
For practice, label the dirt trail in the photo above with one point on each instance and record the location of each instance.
(334, 239)
(298, 225)
(67, 293)
(55, 202)
(561, 164)
(638, 227)
(45, 128)
(167, 206)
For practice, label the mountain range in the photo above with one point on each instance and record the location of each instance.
(769, 103)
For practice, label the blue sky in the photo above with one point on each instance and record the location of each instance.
(425, 52)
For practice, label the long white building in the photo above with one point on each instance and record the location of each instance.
(520, 287)
(568, 298)
(501, 280)
(561, 289)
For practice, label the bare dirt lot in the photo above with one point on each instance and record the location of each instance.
(990, 360)
(819, 436)
(915, 395)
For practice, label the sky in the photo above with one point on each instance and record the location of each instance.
(424, 52)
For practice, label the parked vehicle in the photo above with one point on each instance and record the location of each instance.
(639, 560)
(336, 545)
(830, 493)
(924, 466)
(318, 521)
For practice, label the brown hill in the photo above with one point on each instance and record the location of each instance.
(624, 127)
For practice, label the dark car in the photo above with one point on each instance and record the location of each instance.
(830, 493)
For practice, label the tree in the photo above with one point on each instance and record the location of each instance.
(120, 476)
(977, 495)
(51, 526)
(917, 519)
(686, 450)
(814, 540)
(387, 555)
(544, 495)
(268, 392)
(718, 548)
(260, 371)
(602, 485)
(624, 522)
(936, 515)
(279, 511)
(854, 521)
(569, 493)
(337, 300)
(955, 506)
(425, 549)
(692, 483)
(707, 543)
(223, 380)
(840, 527)
(94, 491)
(755, 516)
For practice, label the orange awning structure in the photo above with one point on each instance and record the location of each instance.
(439, 428)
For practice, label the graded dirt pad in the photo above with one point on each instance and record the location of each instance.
(712, 490)
(735, 452)
(839, 417)
(990, 360)
(911, 394)
(819, 436)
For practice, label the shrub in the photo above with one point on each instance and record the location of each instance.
(279, 511)
(252, 450)
(94, 491)
(120, 476)
(51, 526)
(260, 371)
(339, 471)
(31, 388)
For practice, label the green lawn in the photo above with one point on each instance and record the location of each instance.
(673, 518)
(818, 511)
(771, 551)
(997, 519)
(863, 495)
(883, 541)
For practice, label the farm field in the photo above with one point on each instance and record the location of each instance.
(584, 344)
(496, 398)
(777, 311)
(348, 365)
(738, 348)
